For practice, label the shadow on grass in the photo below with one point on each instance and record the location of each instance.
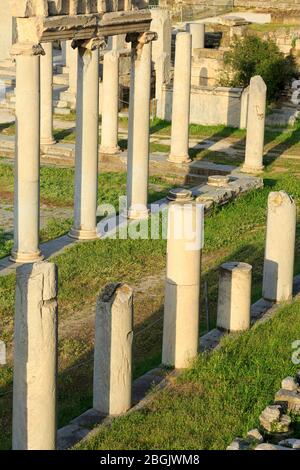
(65, 134)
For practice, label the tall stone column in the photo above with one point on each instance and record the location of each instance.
(197, 31)
(110, 103)
(113, 350)
(138, 126)
(280, 247)
(255, 126)
(86, 145)
(182, 288)
(35, 358)
(27, 153)
(47, 95)
(234, 300)
(181, 100)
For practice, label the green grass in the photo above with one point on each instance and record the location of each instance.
(219, 398)
(235, 231)
(270, 27)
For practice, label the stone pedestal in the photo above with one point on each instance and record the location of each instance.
(280, 247)
(138, 127)
(234, 300)
(86, 146)
(255, 126)
(110, 103)
(47, 95)
(35, 358)
(181, 100)
(113, 350)
(27, 154)
(182, 289)
(197, 30)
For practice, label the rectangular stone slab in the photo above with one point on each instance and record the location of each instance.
(65, 27)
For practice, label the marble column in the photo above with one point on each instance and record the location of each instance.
(280, 247)
(35, 358)
(197, 30)
(86, 145)
(47, 95)
(181, 100)
(234, 300)
(138, 127)
(110, 103)
(182, 288)
(255, 126)
(27, 153)
(113, 350)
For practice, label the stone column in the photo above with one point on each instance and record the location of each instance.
(110, 103)
(197, 30)
(181, 100)
(255, 126)
(86, 145)
(113, 350)
(138, 126)
(234, 300)
(47, 95)
(35, 358)
(27, 153)
(182, 289)
(280, 247)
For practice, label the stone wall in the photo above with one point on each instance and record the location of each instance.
(6, 29)
(209, 106)
(269, 5)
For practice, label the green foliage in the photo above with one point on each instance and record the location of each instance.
(252, 56)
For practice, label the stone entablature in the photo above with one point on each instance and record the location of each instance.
(42, 21)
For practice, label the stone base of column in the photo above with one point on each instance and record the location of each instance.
(136, 214)
(176, 159)
(83, 234)
(47, 142)
(252, 169)
(110, 150)
(18, 257)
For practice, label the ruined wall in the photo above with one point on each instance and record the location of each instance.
(209, 106)
(269, 5)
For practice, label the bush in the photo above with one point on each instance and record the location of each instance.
(252, 56)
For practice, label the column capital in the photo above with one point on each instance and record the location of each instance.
(138, 40)
(90, 44)
(27, 49)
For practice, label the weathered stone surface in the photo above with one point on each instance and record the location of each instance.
(234, 297)
(218, 180)
(289, 383)
(292, 443)
(239, 444)
(273, 421)
(256, 435)
(280, 247)
(179, 194)
(113, 350)
(270, 447)
(35, 358)
(292, 399)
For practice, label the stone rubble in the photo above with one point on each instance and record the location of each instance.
(276, 427)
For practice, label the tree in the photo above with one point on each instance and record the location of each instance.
(251, 56)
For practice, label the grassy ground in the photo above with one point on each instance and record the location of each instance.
(57, 188)
(219, 398)
(233, 232)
